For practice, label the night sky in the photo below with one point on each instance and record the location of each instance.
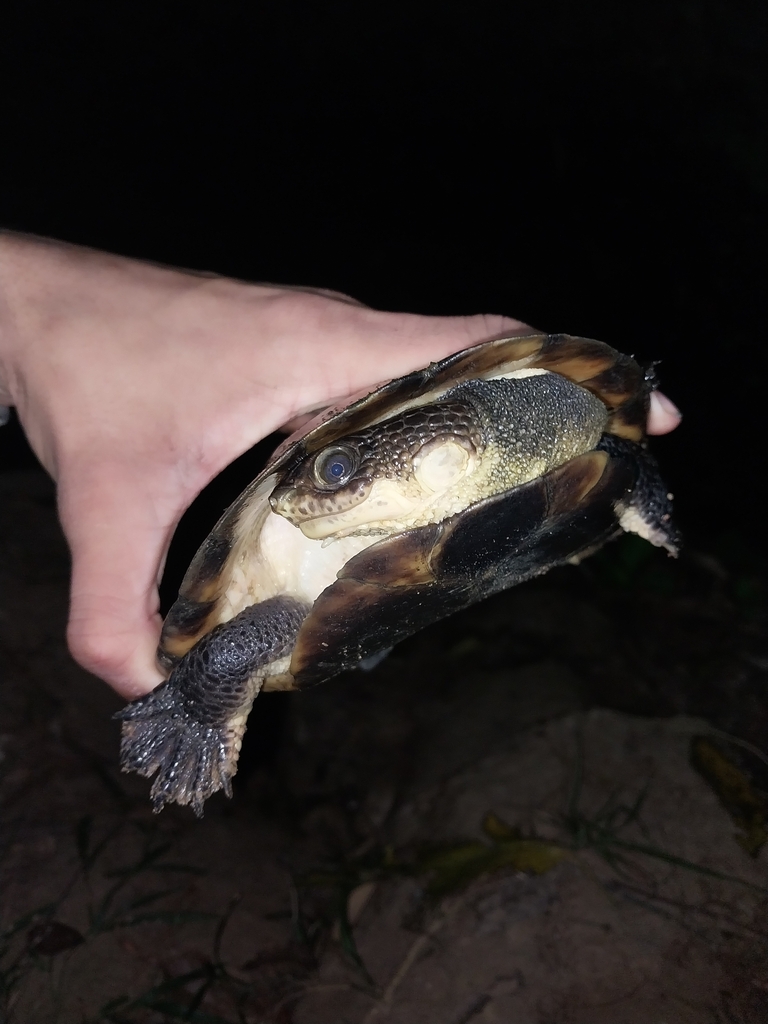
(597, 169)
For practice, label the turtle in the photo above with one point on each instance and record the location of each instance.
(430, 493)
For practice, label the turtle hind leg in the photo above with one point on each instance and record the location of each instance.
(647, 511)
(188, 731)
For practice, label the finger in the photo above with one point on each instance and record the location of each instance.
(118, 539)
(345, 354)
(405, 342)
(664, 415)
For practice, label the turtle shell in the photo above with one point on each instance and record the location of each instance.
(400, 584)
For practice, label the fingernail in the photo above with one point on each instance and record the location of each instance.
(666, 404)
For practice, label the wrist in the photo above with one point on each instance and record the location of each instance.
(8, 329)
(27, 275)
(34, 299)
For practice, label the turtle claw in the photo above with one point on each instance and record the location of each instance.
(191, 760)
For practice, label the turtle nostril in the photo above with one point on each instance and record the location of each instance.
(282, 501)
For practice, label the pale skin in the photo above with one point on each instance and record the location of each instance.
(137, 384)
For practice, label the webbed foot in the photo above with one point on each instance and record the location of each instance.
(188, 732)
(191, 759)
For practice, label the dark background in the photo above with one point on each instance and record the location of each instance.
(593, 168)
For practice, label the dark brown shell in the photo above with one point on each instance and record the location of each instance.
(613, 377)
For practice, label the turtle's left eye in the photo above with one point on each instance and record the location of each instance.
(334, 467)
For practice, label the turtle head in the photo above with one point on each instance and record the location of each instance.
(395, 475)
(435, 460)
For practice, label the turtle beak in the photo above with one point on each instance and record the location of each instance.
(283, 501)
(289, 503)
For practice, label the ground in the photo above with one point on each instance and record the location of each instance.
(550, 809)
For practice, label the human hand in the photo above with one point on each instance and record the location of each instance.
(137, 384)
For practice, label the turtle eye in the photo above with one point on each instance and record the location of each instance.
(334, 467)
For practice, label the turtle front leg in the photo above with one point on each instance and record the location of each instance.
(189, 730)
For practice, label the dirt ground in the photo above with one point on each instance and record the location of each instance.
(549, 810)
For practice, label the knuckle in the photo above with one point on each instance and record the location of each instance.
(489, 325)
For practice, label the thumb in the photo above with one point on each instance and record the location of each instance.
(118, 532)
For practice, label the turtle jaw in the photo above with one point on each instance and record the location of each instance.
(301, 501)
(386, 500)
